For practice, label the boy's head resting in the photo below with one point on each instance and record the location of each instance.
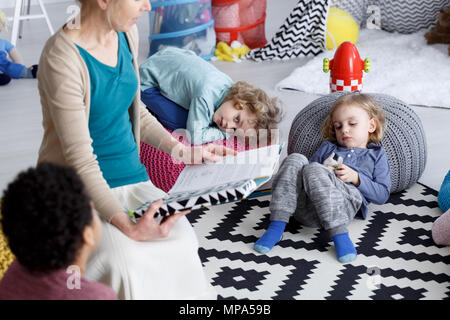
(246, 107)
(354, 121)
(47, 218)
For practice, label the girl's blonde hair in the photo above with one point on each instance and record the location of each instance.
(363, 101)
(3, 21)
(266, 109)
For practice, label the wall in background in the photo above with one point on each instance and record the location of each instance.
(12, 3)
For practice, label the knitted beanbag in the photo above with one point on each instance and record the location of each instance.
(163, 171)
(408, 16)
(444, 193)
(404, 139)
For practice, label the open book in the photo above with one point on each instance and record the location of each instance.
(233, 178)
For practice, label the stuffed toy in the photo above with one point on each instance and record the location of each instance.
(441, 32)
(235, 52)
(330, 162)
(13, 68)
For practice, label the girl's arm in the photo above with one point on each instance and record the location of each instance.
(377, 190)
(322, 152)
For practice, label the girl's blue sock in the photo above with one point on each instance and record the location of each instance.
(345, 249)
(272, 235)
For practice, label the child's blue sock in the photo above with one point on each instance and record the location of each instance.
(272, 235)
(345, 249)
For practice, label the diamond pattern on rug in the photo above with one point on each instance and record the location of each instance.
(397, 258)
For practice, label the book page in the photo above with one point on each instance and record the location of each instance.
(246, 165)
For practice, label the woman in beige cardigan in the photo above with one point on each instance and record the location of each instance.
(133, 266)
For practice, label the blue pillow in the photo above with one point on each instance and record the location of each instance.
(171, 115)
(444, 193)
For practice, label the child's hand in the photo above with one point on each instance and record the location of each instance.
(330, 163)
(347, 174)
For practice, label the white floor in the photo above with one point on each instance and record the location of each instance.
(20, 112)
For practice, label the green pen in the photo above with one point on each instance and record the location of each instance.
(131, 214)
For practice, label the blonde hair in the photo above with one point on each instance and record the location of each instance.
(267, 110)
(363, 101)
(86, 7)
(3, 21)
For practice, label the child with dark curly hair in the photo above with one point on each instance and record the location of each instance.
(51, 229)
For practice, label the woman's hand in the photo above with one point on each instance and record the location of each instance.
(200, 154)
(147, 228)
(347, 174)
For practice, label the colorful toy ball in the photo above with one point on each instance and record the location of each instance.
(341, 26)
(346, 68)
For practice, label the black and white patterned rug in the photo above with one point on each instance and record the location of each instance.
(397, 258)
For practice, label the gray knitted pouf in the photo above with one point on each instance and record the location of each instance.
(404, 139)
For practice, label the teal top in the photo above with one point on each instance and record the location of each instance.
(112, 92)
(193, 83)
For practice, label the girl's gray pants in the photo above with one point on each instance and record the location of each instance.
(314, 195)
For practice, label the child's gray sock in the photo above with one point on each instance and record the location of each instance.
(26, 73)
(29, 73)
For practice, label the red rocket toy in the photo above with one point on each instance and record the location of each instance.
(346, 68)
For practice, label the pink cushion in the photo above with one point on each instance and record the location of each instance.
(164, 171)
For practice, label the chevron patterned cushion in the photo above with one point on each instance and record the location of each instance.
(302, 33)
(404, 140)
(408, 16)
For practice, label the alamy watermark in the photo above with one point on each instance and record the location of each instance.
(248, 139)
(373, 12)
(74, 19)
(374, 19)
(373, 282)
(74, 280)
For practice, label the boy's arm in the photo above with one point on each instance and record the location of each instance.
(15, 56)
(146, 76)
(377, 190)
(199, 123)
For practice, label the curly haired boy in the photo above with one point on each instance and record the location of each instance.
(51, 229)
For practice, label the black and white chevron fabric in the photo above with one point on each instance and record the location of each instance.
(408, 16)
(188, 201)
(302, 34)
(397, 258)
